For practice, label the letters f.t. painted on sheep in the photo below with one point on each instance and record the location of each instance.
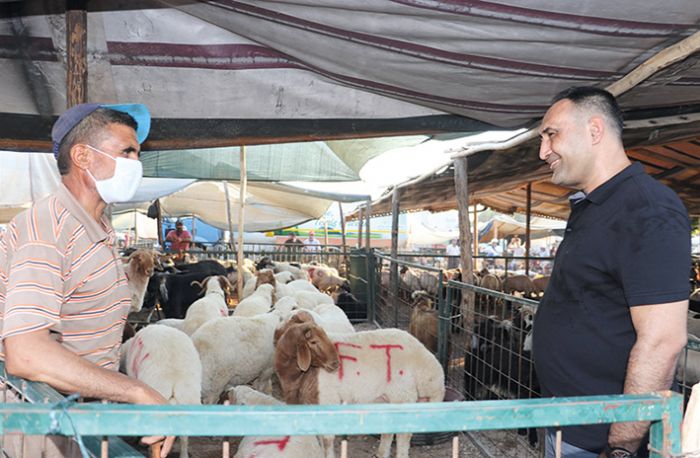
(341, 357)
(388, 349)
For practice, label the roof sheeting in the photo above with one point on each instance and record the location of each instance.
(227, 72)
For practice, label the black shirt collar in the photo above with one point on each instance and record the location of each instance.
(602, 192)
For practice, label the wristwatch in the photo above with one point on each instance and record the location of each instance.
(618, 452)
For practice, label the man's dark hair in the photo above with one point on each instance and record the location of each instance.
(90, 130)
(595, 99)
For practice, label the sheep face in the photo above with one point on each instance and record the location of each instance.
(325, 279)
(265, 276)
(143, 261)
(307, 344)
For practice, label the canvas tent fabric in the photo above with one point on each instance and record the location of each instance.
(27, 177)
(329, 69)
(267, 207)
(339, 160)
(504, 226)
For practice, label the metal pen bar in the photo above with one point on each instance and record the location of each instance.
(136, 420)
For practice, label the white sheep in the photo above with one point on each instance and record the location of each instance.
(293, 287)
(297, 272)
(259, 302)
(138, 269)
(235, 351)
(176, 323)
(310, 299)
(165, 359)
(269, 446)
(284, 277)
(331, 318)
(261, 277)
(211, 306)
(386, 365)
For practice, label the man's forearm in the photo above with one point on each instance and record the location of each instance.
(650, 368)
(42, 359)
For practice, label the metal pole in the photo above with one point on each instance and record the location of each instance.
(241, 220)
(394, 270)
(359, 228)
(342, 230)
(444, 321)
(371, 271)
(368, 245)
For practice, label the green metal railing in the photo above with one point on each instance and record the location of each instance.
(663, 410)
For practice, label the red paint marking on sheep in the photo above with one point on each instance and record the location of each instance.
(280, 443)
(137, 356)
(341, 357)
(387, 348)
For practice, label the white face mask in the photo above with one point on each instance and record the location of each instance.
(122, 186)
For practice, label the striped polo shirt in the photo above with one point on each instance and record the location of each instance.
(59, 270)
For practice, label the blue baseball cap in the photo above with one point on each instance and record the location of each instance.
(72, 117)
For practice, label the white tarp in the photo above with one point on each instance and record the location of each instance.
(26, 177)
(503, 225)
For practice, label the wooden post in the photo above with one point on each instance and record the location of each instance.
(394, 270)
(76, 50)
(159, 219)
(528, 217)
(462, 194)
(194, 229)
(325, 232)
(241, 222)
(476, 232)
(228, 216)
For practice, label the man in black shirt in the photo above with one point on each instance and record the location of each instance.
(613, 319)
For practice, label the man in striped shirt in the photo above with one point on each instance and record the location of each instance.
(63, 292)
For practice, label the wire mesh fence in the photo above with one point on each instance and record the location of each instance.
(485, 353)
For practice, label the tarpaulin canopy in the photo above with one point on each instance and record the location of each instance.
(228, 72)
(27, 177)
(503, 225)
(267, 207)
(339, 160)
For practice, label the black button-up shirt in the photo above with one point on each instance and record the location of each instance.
(627, 243)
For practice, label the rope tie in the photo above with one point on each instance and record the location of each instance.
(60, 410)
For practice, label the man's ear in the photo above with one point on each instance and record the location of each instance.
(80, 156)
(596, 128)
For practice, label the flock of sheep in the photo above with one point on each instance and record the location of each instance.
(285, 341)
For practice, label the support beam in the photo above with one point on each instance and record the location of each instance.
(228, 216)
(476, 231)
(342, 233)
(528, 216)
(159, 219)
(76, 45)
(241, 221)
(368, 234)
(394, 270)
(359, 228)
(462, 194)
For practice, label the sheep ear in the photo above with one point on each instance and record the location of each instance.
(303, 356)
